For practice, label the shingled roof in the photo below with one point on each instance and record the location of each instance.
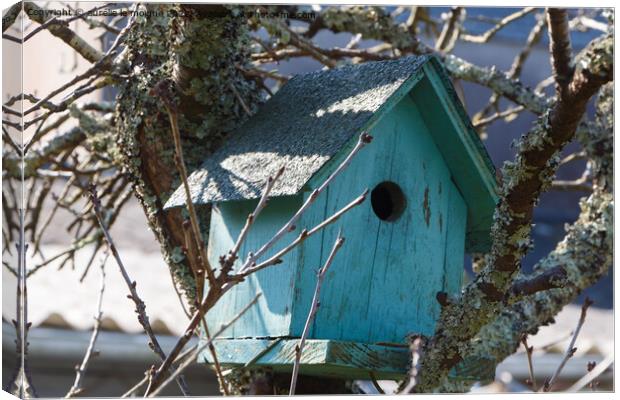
(301, 127)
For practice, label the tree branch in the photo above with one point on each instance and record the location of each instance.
(62, 32)
(560, 48)
(489, 34)
(143, 318)
(550, 279)
(194, 355)
(36, 158)
(374, 23)
(524, 180)
(570, 351)
(450, 32)
(165, 90)
(81, 370)
(585, 253)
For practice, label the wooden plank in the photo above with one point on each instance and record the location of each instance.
(383, 282)
(271, 315)
(408, 267)
(311, 256)
(320, 357)
(342, 314)
(455, 242)
(462, 154)
(332, 358)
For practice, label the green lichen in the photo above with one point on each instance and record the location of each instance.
(200, 52)
(585, 253)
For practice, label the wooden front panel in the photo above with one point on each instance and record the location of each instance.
(383, 282)
(272, 313)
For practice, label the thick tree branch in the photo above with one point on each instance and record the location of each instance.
(36, 158)
(550, 279)
(585, 253)
(524, 180)
(560, 48)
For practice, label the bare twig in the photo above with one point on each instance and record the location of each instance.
(60, 22)
(594, 373)
(145, 380)
(581, 155)
(529, 350)
(260, 73)
(81, 370)
(450, 31)
(314, 307)
(570, 351)
(301, 43)
(65, 34)
(579, 185)
(143, 318)
(304, 234)
(375, 383)
(240, 99)
(164, 90)
(192, 358)
(227, 262)
(21, 380)
(584, 23)
(226, 282)
(416, 346)
(517, 64)
(479, 123)
(488, 35)
(364, 139)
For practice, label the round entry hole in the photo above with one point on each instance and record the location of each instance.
(388, 201)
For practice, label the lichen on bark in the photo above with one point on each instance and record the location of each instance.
(199, 47)
(523, 181)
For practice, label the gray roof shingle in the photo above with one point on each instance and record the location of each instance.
(301, 127)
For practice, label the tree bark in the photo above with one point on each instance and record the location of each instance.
(198, 47)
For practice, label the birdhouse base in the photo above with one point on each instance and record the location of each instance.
(338, 359)
(333, 358)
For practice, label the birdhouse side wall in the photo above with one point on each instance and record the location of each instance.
(383, 282)
(271, 316)
(463, 153)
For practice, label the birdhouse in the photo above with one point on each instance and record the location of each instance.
(432, 193)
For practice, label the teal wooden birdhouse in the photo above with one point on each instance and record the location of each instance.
(432, 196)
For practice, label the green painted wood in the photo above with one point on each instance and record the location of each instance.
(383, 282)
(454, 229)
(347, 360)
(452, 131)
(332, 358)
(271, 315)
(464, 153)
